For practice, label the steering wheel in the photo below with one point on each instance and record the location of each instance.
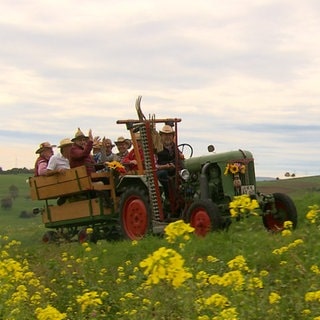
(186, 150)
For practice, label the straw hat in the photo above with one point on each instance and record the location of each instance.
(65, 142)
(79, 135)
(97, 145)
(122, 139)
(45, 145)
(166, 129)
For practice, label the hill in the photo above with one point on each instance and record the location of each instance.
(290, 186)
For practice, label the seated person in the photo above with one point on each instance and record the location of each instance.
(80, 153)
(129, 161)
(166, 159)
(60, 162)
(45, 152)
(123, 146)
(106, 151)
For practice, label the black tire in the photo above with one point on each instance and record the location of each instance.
(204, 216)
(285, 211)
(135, 214)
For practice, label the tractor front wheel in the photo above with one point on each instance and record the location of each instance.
(204, 216)
(282, 210)
(135, 214)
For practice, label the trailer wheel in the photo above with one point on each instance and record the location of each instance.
(50, 236)
(135, 214)
(84, 236)
(286, 211)
(204, 216)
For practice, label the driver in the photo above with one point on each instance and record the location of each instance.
(166, 159)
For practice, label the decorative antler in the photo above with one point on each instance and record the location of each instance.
(141, 116)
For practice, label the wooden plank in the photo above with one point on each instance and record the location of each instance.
(62, 189)
(70, 182)
(75, 210)
(68, 175)
(100, 175)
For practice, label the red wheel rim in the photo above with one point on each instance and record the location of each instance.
(82, 236)
(135, 218)
(45, 238)
(201, 222)
(272, 223)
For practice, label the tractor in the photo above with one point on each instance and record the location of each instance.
(200, 192)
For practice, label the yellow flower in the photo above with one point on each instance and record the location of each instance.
(178, 230)
(235, 168)
(274, 298)
(165, 265)
(89, 299)
(49, 313)
(286, 233)
(89, 230)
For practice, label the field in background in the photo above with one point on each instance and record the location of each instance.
(304, 191)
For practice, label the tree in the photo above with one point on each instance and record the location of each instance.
(6, 203)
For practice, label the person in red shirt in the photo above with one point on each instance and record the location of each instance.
(80, 153)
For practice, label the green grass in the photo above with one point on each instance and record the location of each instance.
(69, 271)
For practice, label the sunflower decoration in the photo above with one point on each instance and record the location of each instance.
(116, 166)
(235, 168)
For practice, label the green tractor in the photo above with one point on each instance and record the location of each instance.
(110, 204)
(199, 193)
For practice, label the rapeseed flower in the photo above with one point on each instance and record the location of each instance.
(49, 313)
(243, 206)
(178, 230)
(274, 298)
(89, 299)
(165, 265)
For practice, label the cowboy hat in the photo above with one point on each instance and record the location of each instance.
(65, 142)
(166, 129)
(79, 135)
(122, 139)
(45, 145)
(97, 145)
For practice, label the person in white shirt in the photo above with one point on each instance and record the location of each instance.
(60, 162)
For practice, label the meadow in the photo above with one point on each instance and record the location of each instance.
(244, 273)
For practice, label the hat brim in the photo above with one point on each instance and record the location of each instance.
(78, 138)
(126, 141)
(42, 149)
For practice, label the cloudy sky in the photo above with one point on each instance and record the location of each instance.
(240, 73)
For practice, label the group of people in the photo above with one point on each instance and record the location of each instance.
(81, 150)
(92, 152)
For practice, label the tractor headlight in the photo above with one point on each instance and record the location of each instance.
(185, 174)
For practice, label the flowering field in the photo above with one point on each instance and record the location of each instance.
(245, 273)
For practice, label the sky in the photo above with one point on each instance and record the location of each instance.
(241, 74)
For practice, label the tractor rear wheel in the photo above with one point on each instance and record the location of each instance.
(285, 211)
(204, 216)
(135, 214)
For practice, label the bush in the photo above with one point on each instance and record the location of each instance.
(6, 203)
